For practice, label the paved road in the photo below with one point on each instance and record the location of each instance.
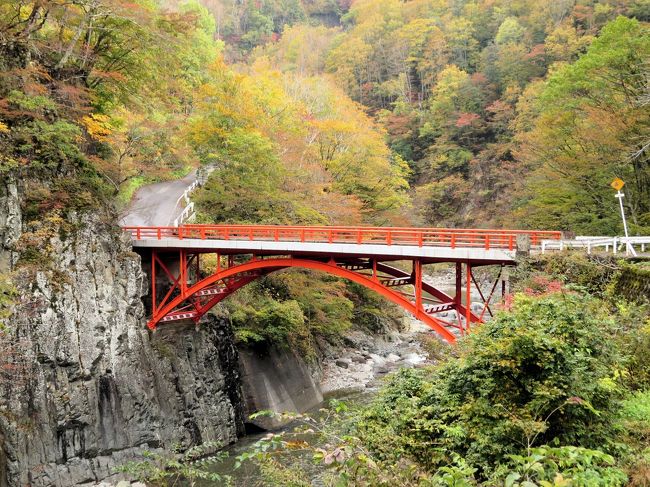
(157, 204)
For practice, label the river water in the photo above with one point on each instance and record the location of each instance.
(249, 475)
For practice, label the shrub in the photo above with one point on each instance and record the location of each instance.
(567, 465)
(272, 322)
(635, 419)
(537, 375)
(635, 338)
(592, 273)
(191, 467)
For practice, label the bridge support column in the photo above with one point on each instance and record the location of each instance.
(417, 271)
(458, 295)
(468, 298)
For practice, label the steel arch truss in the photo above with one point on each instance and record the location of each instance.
(180, 291)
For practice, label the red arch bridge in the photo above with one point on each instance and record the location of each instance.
(389, 261)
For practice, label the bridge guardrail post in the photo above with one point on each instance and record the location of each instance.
(523, 244)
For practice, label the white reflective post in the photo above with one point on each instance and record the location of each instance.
(620, 197)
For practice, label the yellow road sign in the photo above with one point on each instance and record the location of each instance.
(618, 184)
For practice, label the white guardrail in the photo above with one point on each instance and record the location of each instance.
(188, 212)
(616, 244)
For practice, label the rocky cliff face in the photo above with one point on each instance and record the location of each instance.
(91, 386)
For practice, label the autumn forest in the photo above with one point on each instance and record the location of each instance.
(423, 112)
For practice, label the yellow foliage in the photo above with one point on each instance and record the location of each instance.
(98, 126)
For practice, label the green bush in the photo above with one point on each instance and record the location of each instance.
(273, 323)
(634, 323)
(567, 465)
(541, 374)
(635, 419)
(50, 146)
(589, 272)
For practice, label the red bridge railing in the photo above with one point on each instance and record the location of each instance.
(430, 237)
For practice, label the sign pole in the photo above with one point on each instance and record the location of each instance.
(620, 197)
(618, 184)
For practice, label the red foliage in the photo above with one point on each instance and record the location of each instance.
(399, 124)
(110, 75)
(538, 52)
(466, 119)
(479, 79)
(541, 286)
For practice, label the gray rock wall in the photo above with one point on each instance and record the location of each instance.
(279, 381)
(93, 387)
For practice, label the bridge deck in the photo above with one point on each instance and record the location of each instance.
(387, 252)
(430, 245)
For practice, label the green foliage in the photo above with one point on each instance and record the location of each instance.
(590, 273)
(510, 32)
(247, 186)
(50, 146)
(632, 282)
(191, 467)
(249, 23)
(327, 305)
(538, 375)
(38, 103)
(601, 93)
(635, 423)
(274, 320)
(534, 398)
(293, 308)
(635, 321)
(636, 408)
(567, 465)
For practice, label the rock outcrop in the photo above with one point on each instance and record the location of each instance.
(91, 386)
